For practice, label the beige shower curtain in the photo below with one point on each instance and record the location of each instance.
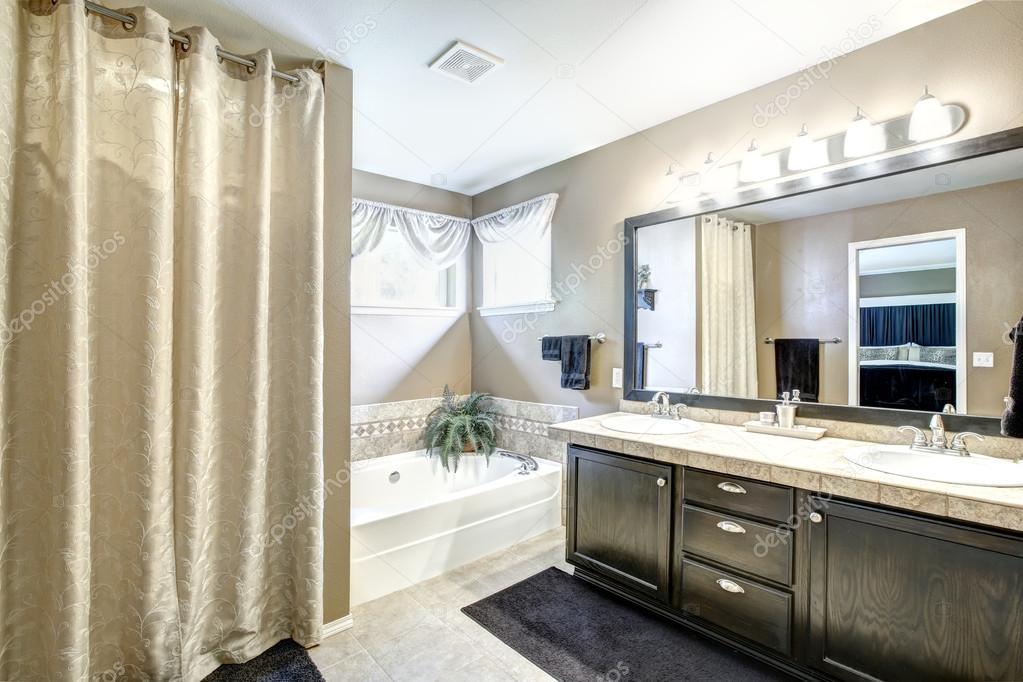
(727, 321)
(160, 350)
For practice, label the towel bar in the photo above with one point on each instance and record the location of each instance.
(769, 340)
(599, 338)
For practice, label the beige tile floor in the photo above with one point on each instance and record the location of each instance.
(420, 633)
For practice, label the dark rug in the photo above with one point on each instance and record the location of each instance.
(286, 661)
(577, 631)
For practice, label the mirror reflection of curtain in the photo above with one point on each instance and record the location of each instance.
(927, 325)
(727, 319)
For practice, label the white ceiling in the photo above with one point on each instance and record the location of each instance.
(577, 73)
(908, 257)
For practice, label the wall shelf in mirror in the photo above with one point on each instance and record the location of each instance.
(789, 274)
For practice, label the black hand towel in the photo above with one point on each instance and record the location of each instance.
(1012, 419)
(575, 362)
(550, 348)
(797, 367)
(640, 365)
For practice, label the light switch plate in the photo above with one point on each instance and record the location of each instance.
(983, 359)
(616, 377)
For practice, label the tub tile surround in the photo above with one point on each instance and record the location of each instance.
(818, 466)
(383, 429)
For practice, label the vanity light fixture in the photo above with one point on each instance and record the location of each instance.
(803, 153)
(754, 166)
(715, 178)
(862, 137)
(929, 120)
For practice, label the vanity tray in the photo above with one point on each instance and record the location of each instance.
(804, 432)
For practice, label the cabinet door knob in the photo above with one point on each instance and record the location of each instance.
(730, 586)
(816, 517)
(731, 527)
(730, 487)
(661, 482)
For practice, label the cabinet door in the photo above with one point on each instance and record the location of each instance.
(619, 519)
(897, 597)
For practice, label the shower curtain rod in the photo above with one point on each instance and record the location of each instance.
(129, 23)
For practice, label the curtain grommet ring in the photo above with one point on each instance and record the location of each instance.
(220, 57)
(130, 25)
(251, 69)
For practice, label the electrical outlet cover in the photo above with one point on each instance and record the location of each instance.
(616, 377)
(983, 359)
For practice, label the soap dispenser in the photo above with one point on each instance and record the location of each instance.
(786, 411)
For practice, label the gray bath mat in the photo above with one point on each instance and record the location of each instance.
(577, 632)
(286, 661)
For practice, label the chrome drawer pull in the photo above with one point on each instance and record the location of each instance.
(730, 487)
(730, 527)
(730, 586)
(661, 482)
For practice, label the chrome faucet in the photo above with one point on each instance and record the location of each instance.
(528, 463)
(662, 405)
(663, 409)
(938, 441)
(938, 438)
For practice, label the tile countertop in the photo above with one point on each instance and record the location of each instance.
(817, 466)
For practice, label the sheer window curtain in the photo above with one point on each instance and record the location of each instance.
(436, 240)
(728, 323)
(161, 349)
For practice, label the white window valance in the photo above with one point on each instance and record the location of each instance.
(436, 240)
(528, 220)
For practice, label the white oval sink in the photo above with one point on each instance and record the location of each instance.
(972, 470)
(651, 426)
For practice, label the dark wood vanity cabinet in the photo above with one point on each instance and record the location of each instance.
(619, 524)
(824, 589)
(900, 597)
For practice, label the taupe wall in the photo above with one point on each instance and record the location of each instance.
(974, 56)
(337, 430)
(914, 282)
(802, 280)
(399, 357)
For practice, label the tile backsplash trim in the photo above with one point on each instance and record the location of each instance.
(1006, 448)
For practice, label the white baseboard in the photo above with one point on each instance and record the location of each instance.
(336, 626)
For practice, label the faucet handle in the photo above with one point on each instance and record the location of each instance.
(678, 409)
(959, 441)
(919, 437)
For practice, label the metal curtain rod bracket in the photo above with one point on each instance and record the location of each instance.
(129, 21)
(835, 339)
(599, 338)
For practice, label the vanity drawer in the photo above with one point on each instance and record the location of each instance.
(750, 546)
(738, 494)
(756, 612)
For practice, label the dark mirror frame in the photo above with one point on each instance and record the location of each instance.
(959, 150)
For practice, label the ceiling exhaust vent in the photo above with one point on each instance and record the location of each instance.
(465, 62)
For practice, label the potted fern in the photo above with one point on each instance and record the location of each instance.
(459, 426)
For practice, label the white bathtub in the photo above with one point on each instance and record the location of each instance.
(430, 521)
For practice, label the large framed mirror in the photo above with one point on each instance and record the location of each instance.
(882, 292)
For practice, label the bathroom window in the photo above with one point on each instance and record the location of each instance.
(517, 276)
(388, 280)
